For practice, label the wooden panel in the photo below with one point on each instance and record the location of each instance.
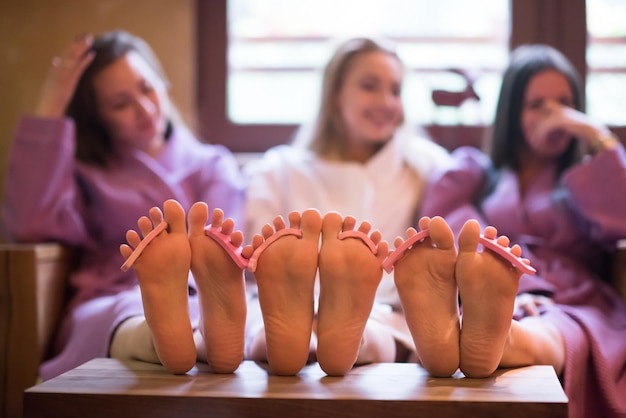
(549, 22)
(107, 387)
(53, 266)
(21, 356)
(4, 329)
(33, 286)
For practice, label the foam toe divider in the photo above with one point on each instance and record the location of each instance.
(278, 234)
(224, 241)
(505, 252)
(360, 235)
(142, 245)
(491, 244)
(399, 252)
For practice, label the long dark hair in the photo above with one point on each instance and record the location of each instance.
(506, 138)
(93, 142)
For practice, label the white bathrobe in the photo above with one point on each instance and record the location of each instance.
(385, 191)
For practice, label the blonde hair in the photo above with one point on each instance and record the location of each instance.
(327, 135)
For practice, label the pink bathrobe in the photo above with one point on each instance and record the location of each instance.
(567, 235)
(52, 197)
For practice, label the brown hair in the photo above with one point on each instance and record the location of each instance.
(93, 142)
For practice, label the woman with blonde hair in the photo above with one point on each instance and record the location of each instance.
(359, 158)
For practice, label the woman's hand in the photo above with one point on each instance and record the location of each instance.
(63, 76)
(559, 121)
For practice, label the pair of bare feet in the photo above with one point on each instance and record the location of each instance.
(431, 276)
(163, 268)
(349, 271)
(427, 277)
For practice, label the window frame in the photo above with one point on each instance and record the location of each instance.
(532, 21)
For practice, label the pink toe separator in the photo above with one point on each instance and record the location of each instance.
(252, 262)
(142, 245)
(360, 235)
(505, 252)
(223, 240)
(491, 244)
(399, 252)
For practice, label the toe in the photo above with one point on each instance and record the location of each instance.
(174, 215)
(469, 236)
(331, 225)
(441, 233)
(311, 224)
(198, 217)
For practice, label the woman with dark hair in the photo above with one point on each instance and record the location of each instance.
(554, 184)
(507, 137)
(104, 145)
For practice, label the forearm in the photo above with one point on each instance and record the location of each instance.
(595, 192)
(40, 184)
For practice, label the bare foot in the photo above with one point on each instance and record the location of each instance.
(487, 286)
(349, 276)
(424, 277)
(221, 289)
(163, 270)
(285, 276)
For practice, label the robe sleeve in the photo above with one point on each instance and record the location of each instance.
(42, 202)
(597, 194)
(452, 191)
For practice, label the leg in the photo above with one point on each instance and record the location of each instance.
(221, 289)
(349, 276)
(487, 286)
(133, 341)
(424, 277)
(285, 274)
(162, 270)
(534, 341)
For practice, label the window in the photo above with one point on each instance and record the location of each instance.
(260, 61)
(277, 50)
(606, 61)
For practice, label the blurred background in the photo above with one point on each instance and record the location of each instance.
(246, 73)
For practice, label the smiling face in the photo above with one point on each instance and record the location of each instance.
(369, 102)
(132, 103)
(545, 92)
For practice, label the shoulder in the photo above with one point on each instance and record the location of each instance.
(467, 165)
(470, 157)
(424, 155)
(430, 147)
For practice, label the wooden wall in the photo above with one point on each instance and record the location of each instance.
(34, 31)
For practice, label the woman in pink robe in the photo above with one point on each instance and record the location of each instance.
(103, 146)
(555, 184)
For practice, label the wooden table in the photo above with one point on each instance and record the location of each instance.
(111, 388)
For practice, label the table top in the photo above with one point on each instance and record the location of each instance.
(389, 389)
